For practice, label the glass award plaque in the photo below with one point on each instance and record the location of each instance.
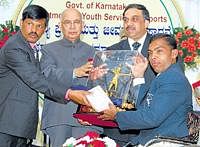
(116, 83)
(118, 80)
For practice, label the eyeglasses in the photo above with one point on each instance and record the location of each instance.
(71, 22)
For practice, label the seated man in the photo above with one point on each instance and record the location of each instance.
(163, 111)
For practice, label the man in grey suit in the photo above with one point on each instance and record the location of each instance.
(136, 20)
(163, 110)
(21, 80)
(66, 60)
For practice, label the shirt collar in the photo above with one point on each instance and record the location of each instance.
(76, 41)
(141, 41)
(32, 45)
(69, 44)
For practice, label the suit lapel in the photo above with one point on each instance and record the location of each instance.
(27, 47)
(146, 45)
(125, 45)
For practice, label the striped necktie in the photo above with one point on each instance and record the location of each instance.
(36, 52)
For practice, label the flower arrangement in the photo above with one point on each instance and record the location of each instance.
(7, 30)
(188, 44)
(90, 139)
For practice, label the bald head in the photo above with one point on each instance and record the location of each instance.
(71, 24)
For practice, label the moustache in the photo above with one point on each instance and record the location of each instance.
(33, 33)
(130, 27)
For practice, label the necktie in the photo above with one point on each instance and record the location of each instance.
(36, 52)
(136, 45)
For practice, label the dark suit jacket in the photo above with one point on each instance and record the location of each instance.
(149, 75)
(163, 111)
(21, 80)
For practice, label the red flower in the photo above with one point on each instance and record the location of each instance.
(188, 59)
(184, 44)
(97, 143)
(188, 32)
(92, 134)
(191, 40)
(191, 48)
(179, 35)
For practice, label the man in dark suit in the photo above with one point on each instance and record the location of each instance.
(21, 80)
(136, 20)
(67, 61)
(163, 111)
